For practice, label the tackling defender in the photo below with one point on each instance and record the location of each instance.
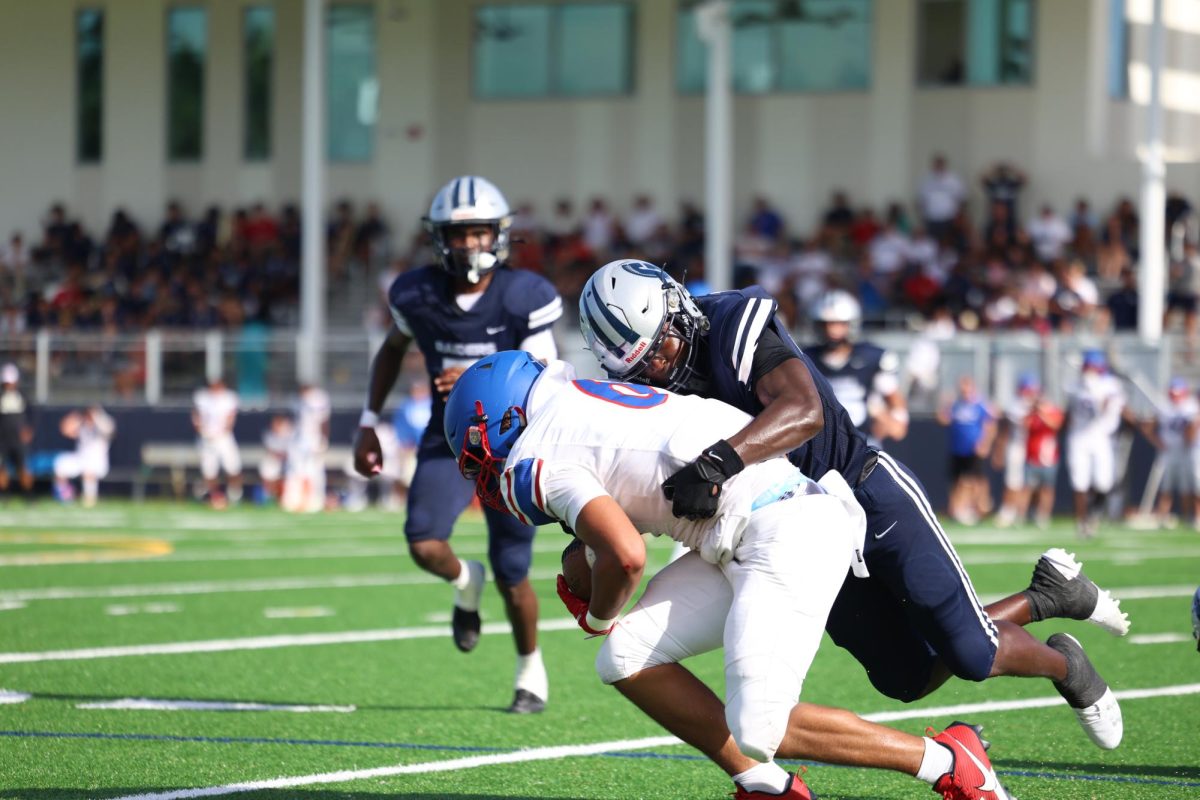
(469, 305)
(590, 455)
(917, 619)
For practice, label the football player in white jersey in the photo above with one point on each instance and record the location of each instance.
(1175, 436)
(759, 582)
(93, 430)
(214, 412)
(1008, 451)
(1094, 410)
(304, 486)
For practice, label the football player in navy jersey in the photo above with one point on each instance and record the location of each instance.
(863, 376)
(467, 306)
(916, 619)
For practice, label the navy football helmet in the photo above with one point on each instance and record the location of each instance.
(485, 413)
(464, 201)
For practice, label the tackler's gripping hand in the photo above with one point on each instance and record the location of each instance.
(695, 490)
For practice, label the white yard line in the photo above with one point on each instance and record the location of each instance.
(152, 704)
(1159, 638)
(261, 642)
(570, 751)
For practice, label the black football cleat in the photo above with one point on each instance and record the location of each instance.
(526, 702)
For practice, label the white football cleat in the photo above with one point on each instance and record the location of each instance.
(1060, 589)
(1088, 694)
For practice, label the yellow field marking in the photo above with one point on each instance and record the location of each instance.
(95, 548)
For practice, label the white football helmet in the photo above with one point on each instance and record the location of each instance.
(837, 305)
(469, 200)
(627, 309)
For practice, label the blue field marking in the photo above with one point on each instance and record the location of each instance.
(146, 737)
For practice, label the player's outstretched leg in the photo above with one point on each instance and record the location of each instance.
(1088, 694)
(1060, 589)
(468, 588)
(972, 776)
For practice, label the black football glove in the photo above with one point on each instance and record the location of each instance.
(695, 489)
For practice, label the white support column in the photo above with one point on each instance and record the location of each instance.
(1152, 268)
(310, 362)
(153, 366)
(713, 24)
(212, 355)
(41, 391)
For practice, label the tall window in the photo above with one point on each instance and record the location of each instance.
(1118, 50)
(187, 42)
(89, 98)
(975, 42)
(575, 50)
(258, 47)
(784, 46)
(352, 89)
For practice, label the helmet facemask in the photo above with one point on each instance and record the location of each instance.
(678, 324)
(464, 262)
(478, 463)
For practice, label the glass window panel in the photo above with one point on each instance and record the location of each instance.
(691, 64)
(594, 49)
(89, 44)
(942, 28)
(753, 61)
(352, 89)
(1016, 48)
(512, 51)
(1118, 50)
(258, 31)
(829, 49)
(187, 42)
(983, 42)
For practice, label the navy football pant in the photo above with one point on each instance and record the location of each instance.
(918, 606)
(439, 494)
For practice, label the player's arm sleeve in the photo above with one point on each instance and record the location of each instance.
(401, 323)
(755, 318)
(541, 345)
(540, 306)
(539, 492)
(769, 354)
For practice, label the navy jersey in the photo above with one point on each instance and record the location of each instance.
(516, 305)
(854, 381)
(737, 320)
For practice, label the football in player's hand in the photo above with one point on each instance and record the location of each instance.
(576, 570)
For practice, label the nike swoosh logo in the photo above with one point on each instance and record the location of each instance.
(885, 533)
(989, 777)
(494, 331)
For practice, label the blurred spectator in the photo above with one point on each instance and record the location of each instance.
(1075, 301)
(839, 216)
(1183, 290)
(1175, 437)
(810, 271)
(1082, 216)
(1118, 240)
(941, 195)
(765, 220)
(1122, 304)
(14, 264)
(599, 230)
(1049, 234)
(642, 223)
(1002, 184)
(339, 239)
(1042, 425)
(371, 238)
(972, 426)
(1008, 452)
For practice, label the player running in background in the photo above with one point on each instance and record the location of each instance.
(467, 306)
(214, 412)
(304, 482)
(972, 427)
(93, 430)
(863, 376)
(1094, 410)
(916, 619)
(276, 440)
(590, 455)
(16, 432)
(1042, 425)
(1008, 453)
(1175, 437)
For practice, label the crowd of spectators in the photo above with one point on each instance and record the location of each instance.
(219, 269)
(999, 267)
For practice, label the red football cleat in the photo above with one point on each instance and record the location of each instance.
(796, 790)
(972, 777)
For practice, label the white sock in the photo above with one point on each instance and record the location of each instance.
(768, 777)
(235, 492)
(937, 761)
(91, 489)
(464, 576)
(531, 675)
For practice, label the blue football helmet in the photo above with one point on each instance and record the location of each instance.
(485, 413)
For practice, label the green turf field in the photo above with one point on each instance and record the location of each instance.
(326, 615)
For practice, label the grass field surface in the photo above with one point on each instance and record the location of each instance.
(170, 651)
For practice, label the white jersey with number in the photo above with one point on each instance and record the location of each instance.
(1173, 422)
(635, 437)
(215, 409)
(1094, 405)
